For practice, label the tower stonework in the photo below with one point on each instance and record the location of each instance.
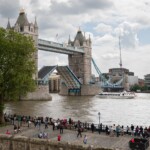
(23, 26)
(80, 64)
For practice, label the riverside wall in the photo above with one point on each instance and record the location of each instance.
(40, 93)
(9, 142)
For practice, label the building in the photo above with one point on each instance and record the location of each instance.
(141, 82)
(122, 76)
(26, 28)
(54, 83)
(79, 63)
(133, 80)
(147, 80)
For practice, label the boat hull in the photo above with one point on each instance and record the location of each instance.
(123, 95)
(116, 97)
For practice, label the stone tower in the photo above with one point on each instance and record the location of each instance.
(23, 26)
(80, 64)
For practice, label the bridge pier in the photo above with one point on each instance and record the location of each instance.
(86, 90)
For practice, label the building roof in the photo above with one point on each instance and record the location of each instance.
(22, 19)
(45, 70)
(79, 37)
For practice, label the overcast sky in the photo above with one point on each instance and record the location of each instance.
(104, 20)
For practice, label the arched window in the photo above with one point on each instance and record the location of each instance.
(21, 29)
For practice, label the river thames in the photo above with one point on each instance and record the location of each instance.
(85, 108)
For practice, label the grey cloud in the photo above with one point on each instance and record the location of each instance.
(8, 8)
(34, 2)
(52, 17)
(78, 7)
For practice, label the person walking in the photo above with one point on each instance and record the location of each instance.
(46, 124)
(117, 130)
(53, 126)
(132, 130)
(92, 127)
(61, 128)
(79, 132)
(100, 128)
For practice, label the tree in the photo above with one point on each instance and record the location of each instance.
(17, 66)
(135, 88)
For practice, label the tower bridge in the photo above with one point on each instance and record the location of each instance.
(77, 75)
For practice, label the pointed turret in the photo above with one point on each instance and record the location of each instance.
(90, 39)
(84, 36)
(120, 54)
(69, 40)
(8, 25)
(22, 19)
(79, 37)
(35, 23)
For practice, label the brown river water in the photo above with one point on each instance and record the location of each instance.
(85, 108)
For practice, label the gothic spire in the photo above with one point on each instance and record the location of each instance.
(22, 19)
(89, 38)
(35, 23)
(120, 53)
(8, 25)
(69, 40)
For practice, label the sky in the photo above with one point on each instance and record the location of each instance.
(104, 20)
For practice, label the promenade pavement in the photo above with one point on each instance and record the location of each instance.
(94, 139)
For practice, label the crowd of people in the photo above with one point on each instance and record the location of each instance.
(61, 124)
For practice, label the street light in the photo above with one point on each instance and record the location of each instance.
(99, 114)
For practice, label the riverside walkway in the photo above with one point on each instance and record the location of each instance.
(94, 139)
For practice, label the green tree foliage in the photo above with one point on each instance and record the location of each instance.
(135, 87)
(138, 87)
(17, 65)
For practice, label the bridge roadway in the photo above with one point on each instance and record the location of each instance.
(94, 139)
(57, 47)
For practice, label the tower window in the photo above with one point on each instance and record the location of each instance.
(21, 29)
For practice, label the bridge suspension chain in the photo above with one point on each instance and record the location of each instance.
(105, 82)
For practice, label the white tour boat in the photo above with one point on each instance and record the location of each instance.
(117, 95)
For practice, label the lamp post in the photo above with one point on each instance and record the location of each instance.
(99, 114)
(99, 129)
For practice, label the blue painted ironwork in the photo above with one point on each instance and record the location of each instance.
(104, 82)
(69, 78)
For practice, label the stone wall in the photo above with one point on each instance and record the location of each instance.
(9, 142)
(86, 90)
(90, 89)
(41, 93)
(63, 90)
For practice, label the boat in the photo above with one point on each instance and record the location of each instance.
(117, 95)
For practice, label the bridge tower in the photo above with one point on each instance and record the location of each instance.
(23, 26)
(79, 63)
